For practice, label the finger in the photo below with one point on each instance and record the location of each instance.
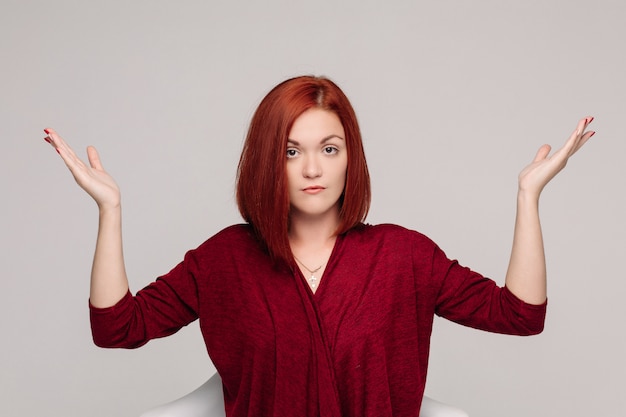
(583, 124)
(542, 153)
(583, 136)
(54, 139)
(583, 140)
(48, 137)
(572, 143)
(94, 158)
(576, 140)
(580, 127)
(74, 163)
(51, 133)
(59, 144)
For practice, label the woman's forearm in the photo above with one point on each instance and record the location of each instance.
(108, 274)
(526, 274)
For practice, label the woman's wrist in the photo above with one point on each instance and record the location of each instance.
(526, 198)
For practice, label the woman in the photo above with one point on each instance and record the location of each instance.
(304, 309)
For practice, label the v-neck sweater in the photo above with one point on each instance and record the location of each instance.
(358, 346)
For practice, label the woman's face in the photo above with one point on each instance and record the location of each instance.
(316, 163)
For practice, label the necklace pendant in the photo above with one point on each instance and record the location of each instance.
(312, 281)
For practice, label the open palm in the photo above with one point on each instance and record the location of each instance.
(92, 178)
(544, 166)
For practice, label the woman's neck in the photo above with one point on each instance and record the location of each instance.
(312, 242)
(313, 233)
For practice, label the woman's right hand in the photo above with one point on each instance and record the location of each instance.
(93, 178)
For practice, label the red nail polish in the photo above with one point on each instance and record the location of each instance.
(590, 120)
(592, 133)
(57, 149)
(47, 139)
(46, 130)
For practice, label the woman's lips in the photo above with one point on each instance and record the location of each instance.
(314, 189)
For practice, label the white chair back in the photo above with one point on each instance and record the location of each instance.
(208, 401)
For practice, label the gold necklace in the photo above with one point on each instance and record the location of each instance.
(313, 279)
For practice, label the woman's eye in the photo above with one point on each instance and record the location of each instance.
(330, 150)
(292, 153)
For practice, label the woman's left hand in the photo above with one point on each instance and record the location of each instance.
(544, 167)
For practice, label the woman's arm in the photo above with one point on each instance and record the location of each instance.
(526, 274)
(108, 275)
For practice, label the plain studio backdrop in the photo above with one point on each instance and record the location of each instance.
(454, 99)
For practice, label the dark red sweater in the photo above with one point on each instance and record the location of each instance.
(357, 347)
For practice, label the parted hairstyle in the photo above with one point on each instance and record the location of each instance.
(262, 194)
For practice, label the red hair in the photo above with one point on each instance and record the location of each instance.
(262, 194)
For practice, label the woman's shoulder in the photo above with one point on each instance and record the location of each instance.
(237, 236)
(390, 233)
(235, 231)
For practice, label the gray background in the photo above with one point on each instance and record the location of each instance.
(454, 98)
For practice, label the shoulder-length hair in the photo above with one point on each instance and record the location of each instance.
(262, 194)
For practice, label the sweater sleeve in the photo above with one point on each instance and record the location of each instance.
(470, 299)
(158, 310)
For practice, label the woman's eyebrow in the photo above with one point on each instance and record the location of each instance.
(324, 140)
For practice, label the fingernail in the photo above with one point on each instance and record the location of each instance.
(47, 139)
(46, 130)
(57, 149)
(592, 133)
(590, 120)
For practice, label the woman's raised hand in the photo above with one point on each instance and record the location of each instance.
(544, 167)
(93, 178)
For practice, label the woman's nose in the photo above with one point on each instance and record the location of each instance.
(312, 167)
